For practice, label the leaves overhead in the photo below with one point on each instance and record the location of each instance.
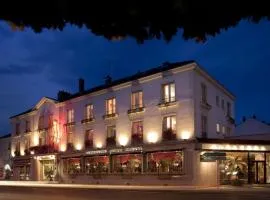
(140, 19)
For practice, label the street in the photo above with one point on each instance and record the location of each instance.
(50, 193)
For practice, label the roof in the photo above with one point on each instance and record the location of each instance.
(164, 67)
(5, 136)
(33, 108)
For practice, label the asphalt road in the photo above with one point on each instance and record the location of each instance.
(35, 193)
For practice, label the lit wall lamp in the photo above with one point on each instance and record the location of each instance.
(99, 145)
(78, 146)
(152, 137)
(63, 147)
(185, 135)
(123, 140)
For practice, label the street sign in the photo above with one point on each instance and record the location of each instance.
(212, 156)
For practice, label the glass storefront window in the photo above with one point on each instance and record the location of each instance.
(234, 167)
(72, 165)
(267, 167)
(97, 164)
(128, 163)
(165, 162)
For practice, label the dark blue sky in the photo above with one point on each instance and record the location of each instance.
(36, 65)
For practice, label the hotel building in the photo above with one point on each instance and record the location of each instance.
(163, 126)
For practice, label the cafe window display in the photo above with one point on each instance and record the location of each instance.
(128, 163)
(234, 168)
(97, 164)
(72, 165)
(170, 162)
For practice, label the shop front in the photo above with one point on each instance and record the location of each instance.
(245, 162)
(135, 165)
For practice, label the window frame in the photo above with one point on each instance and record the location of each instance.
(70, 115)
(203, 93)
(133, 98)
(139, 133)
(107, 131)
(89, 111)
(171, 98)
(107, 106)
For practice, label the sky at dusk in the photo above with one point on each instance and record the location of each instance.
(36, 65)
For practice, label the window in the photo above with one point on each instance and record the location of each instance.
(17, 148)
(111, 131)
(89, 138)
(41, 122)
(204, 126)
(223, 104)
(27, 126)
(223, 129)
(169, 93)
(217, 101)
(170, 162)
(127, 163)
(17, 129)
(169, 128)
(72, 165)
(218, 128)
(97, 164)
(136, 100)
(169, 123)
(89, 111)
(137, 128)
(110, 106)
(70, 138)
(203, 93)
(70, 116)
(228, 130)
(229, 109)
(27, 144)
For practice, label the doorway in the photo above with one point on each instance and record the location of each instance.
(257, 173)
(47, 170)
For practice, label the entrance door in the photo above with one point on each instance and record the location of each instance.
(258, 172)
(48, 170)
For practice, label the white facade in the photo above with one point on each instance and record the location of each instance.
(187, 108)
(4, 155)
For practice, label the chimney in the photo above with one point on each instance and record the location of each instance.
(63, 95)
(81, 85)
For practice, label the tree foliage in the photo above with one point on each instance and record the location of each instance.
(140, 19)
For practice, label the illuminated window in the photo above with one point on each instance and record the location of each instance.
(136, 100)
(41, 122)
(169, 124)
(169, 92)
(110, 106)
(217, 101)
(203, 93)
(218, 128)
(137, 128)
(111, 131)
(27, 126)
(17, 129)
(204, 126)
(89, 134)
(70, 115)
(89, 111)
(17, 148)
(27, 143)
(229, 109)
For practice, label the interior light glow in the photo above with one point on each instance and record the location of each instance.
(152, 137)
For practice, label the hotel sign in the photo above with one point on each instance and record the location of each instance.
(212, 156)
(96, 152)
(126, 150)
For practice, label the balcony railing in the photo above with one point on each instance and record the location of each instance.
(167, 102)
(206, 105)
(27, 152)
(135, 110)
(17, 153)
(168, 134)
(87, 120)
(27, 131)
(111, 141)
(136, 139)
(110, 116)
(230, 119)
(70, 124)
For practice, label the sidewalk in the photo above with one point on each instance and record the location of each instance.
(127, 187)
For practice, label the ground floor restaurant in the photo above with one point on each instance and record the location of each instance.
(188, 163)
